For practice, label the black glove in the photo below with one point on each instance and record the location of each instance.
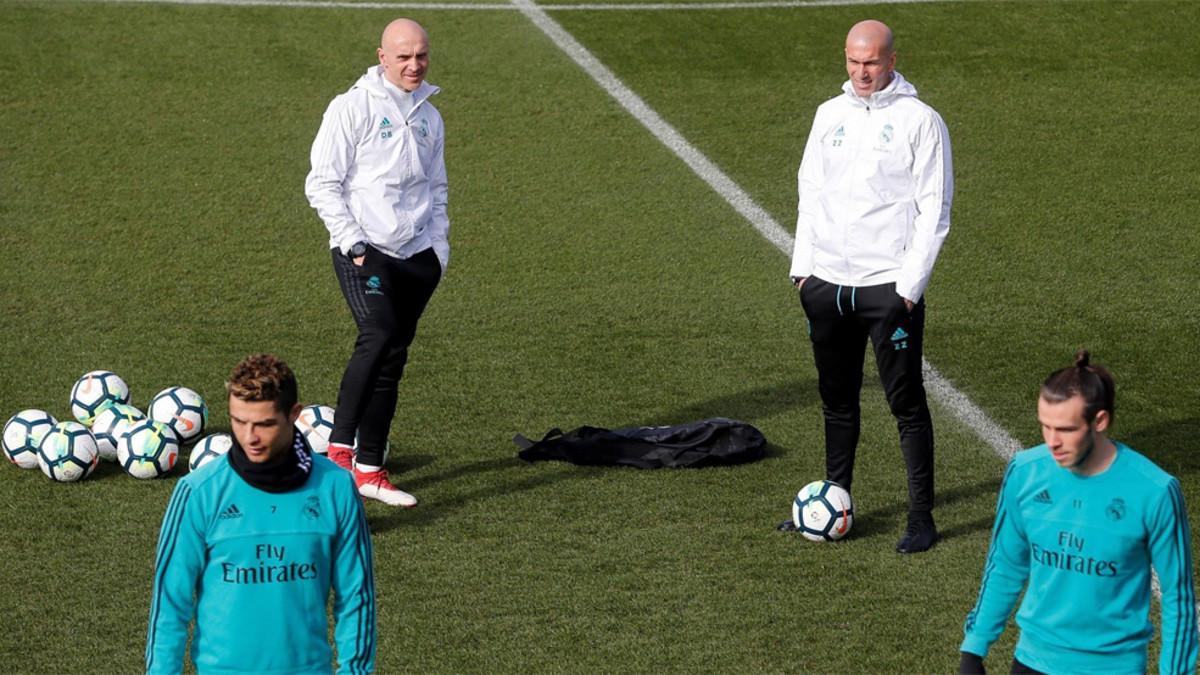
(970, 664)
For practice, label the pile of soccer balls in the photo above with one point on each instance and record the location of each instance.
(146, 445)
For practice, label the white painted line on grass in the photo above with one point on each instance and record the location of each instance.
(653, 122)
(940, 388)
(942, 391)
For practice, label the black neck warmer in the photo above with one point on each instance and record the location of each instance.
(284, 473)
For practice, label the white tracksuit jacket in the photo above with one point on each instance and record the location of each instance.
(380, 176)
(875, 185)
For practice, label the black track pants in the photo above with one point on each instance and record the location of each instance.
(841, 319)
(386, 296)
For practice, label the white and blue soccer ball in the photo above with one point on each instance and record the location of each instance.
(209, 448)
(316, 424)
(148, 450)
(110, 425)
(95, 390)
(823, 511)
(68, 452)
(22, 434)
(181, 409)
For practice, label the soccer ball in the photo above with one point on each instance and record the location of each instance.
(316, 424)
(110, 425)
(148, 450)
(208, 449)
(823, 511)
(68, 452)
(95, 390)
(22, 434)
(181, 409)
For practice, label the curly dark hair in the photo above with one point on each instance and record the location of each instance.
(263, 377)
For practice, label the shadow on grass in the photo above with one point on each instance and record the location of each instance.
(428, 512)
(746, 406)
(399, 463)
(963, 529)
(482, 466)
(431, 510)
(106, 469)
(1171, 446)
(892, 518)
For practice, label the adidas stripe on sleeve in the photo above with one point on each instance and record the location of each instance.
(177, 569)
(1171, 555)
(354, 588)
(1004, 574)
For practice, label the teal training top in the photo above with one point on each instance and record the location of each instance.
(1085, 546)
(254, 570)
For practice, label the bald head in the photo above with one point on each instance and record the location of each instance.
(870, 57)
(404, 53)
(870, 33)
(403, 30)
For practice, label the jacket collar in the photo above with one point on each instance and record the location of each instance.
(896, 89)
(372, 82)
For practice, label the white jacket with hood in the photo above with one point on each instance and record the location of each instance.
(379, 175)
(875, 185)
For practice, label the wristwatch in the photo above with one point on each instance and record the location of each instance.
(358, 250)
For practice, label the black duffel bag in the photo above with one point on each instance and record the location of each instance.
(715, 441)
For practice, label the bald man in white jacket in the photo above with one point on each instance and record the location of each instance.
(875, 187)
(378, 182)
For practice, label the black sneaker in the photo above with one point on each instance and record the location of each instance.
(919, 536)
(786, 526)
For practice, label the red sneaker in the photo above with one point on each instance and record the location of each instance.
(342, 455)
(375, 485)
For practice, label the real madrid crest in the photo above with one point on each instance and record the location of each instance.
(1115, 509)
(312, 507)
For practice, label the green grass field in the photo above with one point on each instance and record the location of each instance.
(152, 160)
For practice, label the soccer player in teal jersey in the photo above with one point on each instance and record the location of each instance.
(1080, 521)
(252, 544)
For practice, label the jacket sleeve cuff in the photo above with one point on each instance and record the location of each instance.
(442, 249)
(975, 645)
(909, 290)
(352, 234)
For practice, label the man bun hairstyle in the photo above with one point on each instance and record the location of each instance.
(1093, 382)
(263, 377)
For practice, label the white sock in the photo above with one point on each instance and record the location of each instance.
(366, 468)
